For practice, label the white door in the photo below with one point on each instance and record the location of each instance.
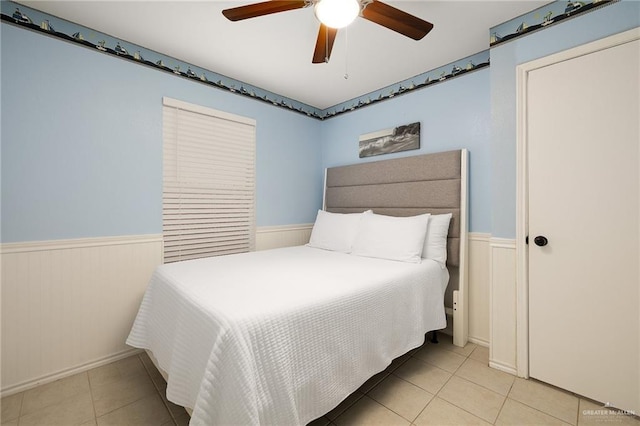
(583, 123)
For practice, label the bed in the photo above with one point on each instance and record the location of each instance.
(280, 337)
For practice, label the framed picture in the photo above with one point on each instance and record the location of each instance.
(396, 139)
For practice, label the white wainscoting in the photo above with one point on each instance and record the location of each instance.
(270, 237)
(68, 305)
(502, 352)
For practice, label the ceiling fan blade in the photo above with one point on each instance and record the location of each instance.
(396, 20)
(261, 9)
(324, 44)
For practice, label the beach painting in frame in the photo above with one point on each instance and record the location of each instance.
(396, 139)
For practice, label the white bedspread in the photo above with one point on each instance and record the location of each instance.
(280, 337)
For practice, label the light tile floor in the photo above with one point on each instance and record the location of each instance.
(436, 384)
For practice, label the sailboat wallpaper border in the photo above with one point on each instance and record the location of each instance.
(542, 17)
(48, 25)
(28, 18)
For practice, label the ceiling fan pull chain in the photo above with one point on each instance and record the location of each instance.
(326, 45)
(346, 54)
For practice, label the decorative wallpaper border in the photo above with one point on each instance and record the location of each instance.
(35, 20)
(435, 76)
(49, 25)
(542, 17)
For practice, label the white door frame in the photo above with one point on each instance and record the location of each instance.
(522, 183)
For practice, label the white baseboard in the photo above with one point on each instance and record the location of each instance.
(503, 367)
(479, 342)
(48, 378)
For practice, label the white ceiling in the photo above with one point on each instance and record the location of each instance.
(274, 52)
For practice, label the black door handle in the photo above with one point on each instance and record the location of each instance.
(541, 241)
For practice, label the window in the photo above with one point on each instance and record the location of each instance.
(208, 197)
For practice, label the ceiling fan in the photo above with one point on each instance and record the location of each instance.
(332, 19)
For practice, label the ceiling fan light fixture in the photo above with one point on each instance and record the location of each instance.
(337, 13)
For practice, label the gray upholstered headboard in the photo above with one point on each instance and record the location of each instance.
(430, 183)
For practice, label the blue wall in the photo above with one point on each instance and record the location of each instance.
(82, 144)
(453, 114)
(613, 19)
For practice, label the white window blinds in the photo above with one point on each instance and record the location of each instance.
(208, 199)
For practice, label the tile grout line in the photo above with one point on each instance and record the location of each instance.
(548, 414)
(505, 396)
(21, 405)
(579, 397)
(443, 385)
(502, 406)
(561, 390)
(467, 357)
(93, 404)
(380, 403)
(155, 386)
(391, 409)
(126, 405)
(407, 381)
(131, 402)
(64, 400)
(483, 386)
(391, 373)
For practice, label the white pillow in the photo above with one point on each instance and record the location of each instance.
(334, 231)
(435, 245)
(393, 238)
